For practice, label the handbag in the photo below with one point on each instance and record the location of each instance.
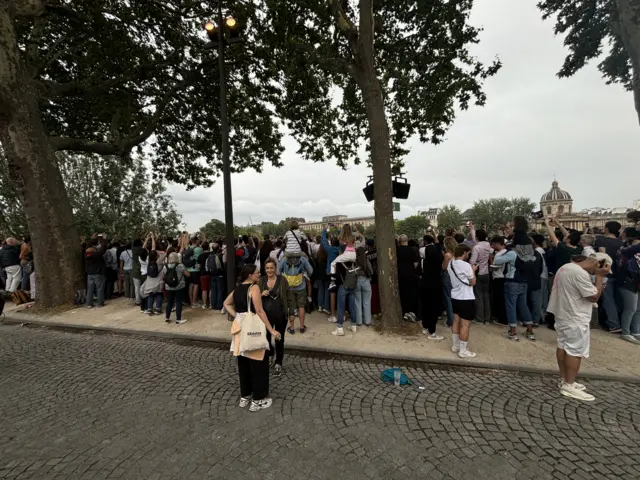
(272, 304)
(253, 332)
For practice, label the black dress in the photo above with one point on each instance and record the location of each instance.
(254, 374)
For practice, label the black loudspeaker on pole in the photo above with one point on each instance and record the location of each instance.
(400, 189)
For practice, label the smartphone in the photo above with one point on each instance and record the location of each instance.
(538, 215)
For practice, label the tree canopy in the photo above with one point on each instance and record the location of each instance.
(496, 212)
(214, 228)
(413, 227)
(449, 216)
(105, 197)
(608, 30)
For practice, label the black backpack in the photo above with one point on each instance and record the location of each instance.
(172, 278)
(188, 258)
(153, 270)
(528, 272)
(350, 279)
(213, 265)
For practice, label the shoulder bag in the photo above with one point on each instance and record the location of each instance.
(253, 332)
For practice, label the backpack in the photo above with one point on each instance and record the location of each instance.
(527, 271)
(213, 264)
(188, 259)
(350, 279)
(172, 278)
(292, 271)
(153, 270)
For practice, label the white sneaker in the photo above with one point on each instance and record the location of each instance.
(576, 385)
(332, 319)
(257, 405)
(223, 311)
(435, 337)
(425, 331)
(180, 322)
(244, 402)
(571, 391)
(467, 354)
(631, 339)
(354, 329)
(455, 349)
(339, 332)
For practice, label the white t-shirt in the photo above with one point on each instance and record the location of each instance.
(461, 290)
(292, 241)
(144, 264)
(569, 297)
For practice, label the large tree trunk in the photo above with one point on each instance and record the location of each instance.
(35, 173)
(383, 201)
(629, 26)
(365, 75)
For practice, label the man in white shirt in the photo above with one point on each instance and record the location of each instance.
(463, 278)
(571, 302)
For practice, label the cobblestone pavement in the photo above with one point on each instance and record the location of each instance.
(103, 406)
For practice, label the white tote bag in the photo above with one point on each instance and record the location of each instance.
(253, 332)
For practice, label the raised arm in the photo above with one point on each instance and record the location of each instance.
(551, 232)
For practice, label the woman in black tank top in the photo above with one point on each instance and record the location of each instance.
(254, 374)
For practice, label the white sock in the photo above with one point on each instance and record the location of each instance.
(456, 340)
(463, 346)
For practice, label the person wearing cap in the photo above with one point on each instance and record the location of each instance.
(571, 301)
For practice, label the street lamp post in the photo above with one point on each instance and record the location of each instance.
(224, 134)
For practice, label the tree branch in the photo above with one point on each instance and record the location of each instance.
(123, 147)
(346, 27)
(28, 8)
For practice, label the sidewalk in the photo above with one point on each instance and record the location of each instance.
(611, 357)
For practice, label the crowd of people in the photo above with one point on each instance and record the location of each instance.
(570, 280)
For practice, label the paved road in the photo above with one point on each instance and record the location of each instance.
(102, 406)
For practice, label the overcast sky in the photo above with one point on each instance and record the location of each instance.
(534, 126)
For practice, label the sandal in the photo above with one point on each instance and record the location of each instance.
(303, 329)
(291, 331)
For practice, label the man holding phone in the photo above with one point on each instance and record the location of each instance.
(571, 301)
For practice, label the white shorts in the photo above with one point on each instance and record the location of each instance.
(573, 338)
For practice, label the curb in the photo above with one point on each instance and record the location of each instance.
(224, 340)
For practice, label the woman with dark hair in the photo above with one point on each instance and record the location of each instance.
(274, 290)
(265, 252)
(431, 288)
(321, 281)
(363, 288)
(253, 366)
(151, 289)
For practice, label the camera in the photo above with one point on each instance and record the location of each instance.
(538, 215)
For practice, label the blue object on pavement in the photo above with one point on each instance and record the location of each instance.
(387, 376)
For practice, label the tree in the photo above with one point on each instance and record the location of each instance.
(107, 77)
(496, 212)
(449, 216)
(590, 28)
(370, 231)
(214, 228)
(275, 229)
(401, 66)
(104, 197)
(413, 227)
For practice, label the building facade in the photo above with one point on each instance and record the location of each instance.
(559, 204)
(432, 215)
(339, 220)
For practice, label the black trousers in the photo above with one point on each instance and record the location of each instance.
(254, 377)
(112, 278)
(431, 304)
(408, 286)
(279, 350)
(497, 300)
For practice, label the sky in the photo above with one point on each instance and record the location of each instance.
(533, 127)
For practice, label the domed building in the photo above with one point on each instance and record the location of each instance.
(556, 201)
